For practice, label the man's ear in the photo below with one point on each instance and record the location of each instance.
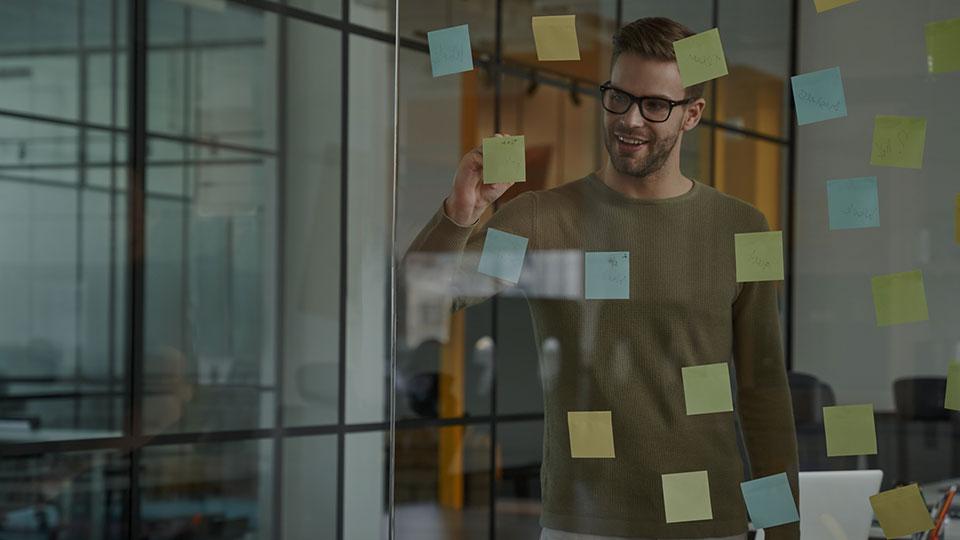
(692, 113)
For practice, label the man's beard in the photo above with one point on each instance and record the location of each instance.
(657, 155)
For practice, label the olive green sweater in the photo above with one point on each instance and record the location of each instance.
(625, 356)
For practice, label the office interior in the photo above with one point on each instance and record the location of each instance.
(203, 204)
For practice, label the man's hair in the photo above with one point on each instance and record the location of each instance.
(652, 38)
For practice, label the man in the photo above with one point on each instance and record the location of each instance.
(685, 308)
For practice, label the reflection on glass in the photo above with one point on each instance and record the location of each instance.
(520, 446)
(752, 170)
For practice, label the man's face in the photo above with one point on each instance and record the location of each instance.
(638, 147)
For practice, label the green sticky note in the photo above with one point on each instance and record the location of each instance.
(555, 37)
(606, 275)
(450, 50)
(502, 255)
(898, 141)
(700, 57)
(901, 511)
(759, 256)
(686, 496)
(850, 430)
(591, 434)
(504, 160)
(943, 46)
(899, 298)
(706, 389)
(952, 399)
(824, 5)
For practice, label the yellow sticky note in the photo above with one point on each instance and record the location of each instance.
(824, 5)
(898, 141)
(700, 57)
(591, 434)
(686, 496)
(504, 160)
(759, 256)
(556, 38)
(706, 388)
(899, 298)
(850, 430)
(943, 46)
(901, 511)
(952, 399)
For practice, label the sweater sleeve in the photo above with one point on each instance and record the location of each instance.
(763, 393)
(456, 250)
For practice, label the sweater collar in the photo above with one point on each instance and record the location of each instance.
(611, 195)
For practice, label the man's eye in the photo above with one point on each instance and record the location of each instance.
(655, 105)
(620, 98)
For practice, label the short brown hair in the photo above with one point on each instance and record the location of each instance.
(653, 37)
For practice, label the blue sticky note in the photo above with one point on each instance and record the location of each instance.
(502, 255)
(853, 203)
(819, 96)
(607, 275)
(450, 50)
(769, 501)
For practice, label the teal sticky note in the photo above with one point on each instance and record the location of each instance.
(770, 501)
(502, 255)
(607, 275)
(450, 50)
(853, 203)
(819, 96)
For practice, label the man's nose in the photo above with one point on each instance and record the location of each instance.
(632, 118)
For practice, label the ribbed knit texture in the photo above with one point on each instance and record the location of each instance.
(625, 356)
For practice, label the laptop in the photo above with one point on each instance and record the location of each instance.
(835, 505)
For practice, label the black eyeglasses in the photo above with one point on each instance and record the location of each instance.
(653, 109)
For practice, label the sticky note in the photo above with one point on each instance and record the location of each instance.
(824, 5)
(901, 511)
(819, 96)
(850, 430)
(700, 57)
(607, 275)
(853, 203)
(450, 50)
(943, 46)
(686, 496)
(502, 255)
(899, 298)
(556, 38)
(770, 501)
(759, 256)
(706, 389)
(504, 160)
(591, 434)
(898, 141)
(952, 398)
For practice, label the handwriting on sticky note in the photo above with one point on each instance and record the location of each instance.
(898, 141)
(899, 298)
(450, 50)
(770, 501)
(700, 57)
(759, 256)
(819, 96)
(706, 388)
(850, 430)
(901, 511)
(607, 275)
(853, 203)
(591, 434)
(502, 255)
(943, 46)
(686, 496)
(504, 160)
(824, 5)
(555, 38)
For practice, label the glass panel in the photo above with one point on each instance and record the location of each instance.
(212, 490)
(310, 487)
(756, 43)
(38, 152)
(365, 511)
(518, 484)
(442, 483)
(418, 18)
(64, 495)
(376, 14)
(753, 170)
(332, 8)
